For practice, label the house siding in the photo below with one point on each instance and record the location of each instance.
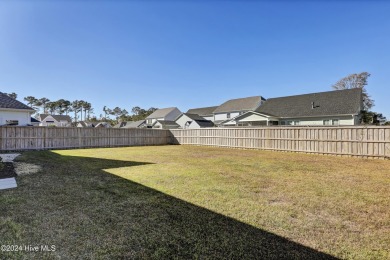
(183, 120)
(343, 120)
(23, 117)
(223, 116)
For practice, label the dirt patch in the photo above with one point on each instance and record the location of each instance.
(22, 168)
(7, 170)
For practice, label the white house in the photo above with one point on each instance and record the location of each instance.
(236, 107)
(191, 121)
(340, 107)
(13, 112)
(55, 120)
(205, 112)
(164, 114)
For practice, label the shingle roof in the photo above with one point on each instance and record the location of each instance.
(34, 120)
(8, 102)
(133, 124)
(168, 123)
(56, 117)
(194, 116)
(240, 104)
(339, 102)
(204, 123)
(86, 124)
(163, 112)
(202, 111)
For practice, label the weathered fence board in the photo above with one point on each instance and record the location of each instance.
(36, 138)
(361, 141)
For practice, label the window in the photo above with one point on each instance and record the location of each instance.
(326, 122)
(12, 122)
(228, 115)
(149, 121)
(335, 122)
(296, 122)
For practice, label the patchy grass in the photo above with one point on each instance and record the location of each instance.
(198, 202)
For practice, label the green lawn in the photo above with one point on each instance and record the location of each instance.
(198, 202)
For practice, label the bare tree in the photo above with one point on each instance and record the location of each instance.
(356, 81)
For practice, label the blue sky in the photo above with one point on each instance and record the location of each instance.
(190, 53)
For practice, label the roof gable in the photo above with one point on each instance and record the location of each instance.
(339, 102)
(203, 111)
(161, 113)
(239, 104)
(10, 103)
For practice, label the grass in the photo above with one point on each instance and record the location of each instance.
(198, 202)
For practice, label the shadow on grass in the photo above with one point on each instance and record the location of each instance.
(87, 212)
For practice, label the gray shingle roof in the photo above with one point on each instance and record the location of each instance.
(202, 111)
(56, 117)
(339, 102)
(204, 123)
(239, 104)
(194, 116)
(8, 102)
(163, 112)
(168, 123)
(133, 124)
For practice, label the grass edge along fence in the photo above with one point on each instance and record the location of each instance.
(355, 141)
(19, 138)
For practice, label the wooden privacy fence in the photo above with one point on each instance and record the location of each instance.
(362, 141)
(36, 138)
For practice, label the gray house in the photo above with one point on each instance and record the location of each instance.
(165, 124)
(205, 112)
(134, 124)
(164, 114)
(191, 121)
(235, 107)
(340, 107)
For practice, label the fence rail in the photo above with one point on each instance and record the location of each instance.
(361, 141)
(36, 138)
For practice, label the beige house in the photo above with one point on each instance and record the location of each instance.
(340, 107)
(55, 120)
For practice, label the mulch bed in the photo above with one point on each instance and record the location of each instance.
(7, 171)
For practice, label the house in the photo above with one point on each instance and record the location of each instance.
(85, 124)
(131, 124)
(205, 112)
(339, 107)
(236, 107)
(135, 124)
(165, 124)
(35, 122)
(168, 114)
(103, 124)
(55, 120)
(190, 121)
(13, 112)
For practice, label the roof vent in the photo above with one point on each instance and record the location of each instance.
(312, 105)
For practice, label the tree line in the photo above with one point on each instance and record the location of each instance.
(83, 110)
